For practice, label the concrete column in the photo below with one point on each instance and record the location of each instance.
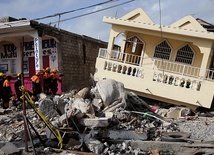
(111, 40)
(205, 60)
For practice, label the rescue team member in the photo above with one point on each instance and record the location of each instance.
(36, 85)
(54, 79)
(17, 84)
(47, 81)
(7, 92)
(1, 85)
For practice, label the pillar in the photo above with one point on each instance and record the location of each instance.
(38, 53)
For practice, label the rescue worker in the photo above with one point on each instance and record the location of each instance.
(36, 85)
(7, 92)
(17, 85)
(54, 81)
(47, 81)
(1, 85)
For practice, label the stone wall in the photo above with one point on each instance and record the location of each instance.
(77, 55)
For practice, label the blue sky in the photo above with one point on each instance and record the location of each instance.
(92, 25)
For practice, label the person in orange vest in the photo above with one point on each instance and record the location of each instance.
(36, 85)
(47, 81)
(7, 92)
(54, 80)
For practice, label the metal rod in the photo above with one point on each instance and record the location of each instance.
(43, 143)
(29, 134)
(23, 101)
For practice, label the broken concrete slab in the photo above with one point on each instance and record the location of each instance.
(95, 122)
(178, 112)
(127, 135)
(10, 149)
(110, 91)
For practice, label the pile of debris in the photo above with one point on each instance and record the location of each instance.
(106, 120)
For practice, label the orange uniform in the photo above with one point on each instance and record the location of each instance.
(54, 79)
(36, 85)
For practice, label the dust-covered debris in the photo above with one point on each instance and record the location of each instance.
(105, 119)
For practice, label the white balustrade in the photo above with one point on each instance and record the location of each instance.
(177, 81)
(123, 69)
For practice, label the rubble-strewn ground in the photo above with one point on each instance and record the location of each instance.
(107, 120)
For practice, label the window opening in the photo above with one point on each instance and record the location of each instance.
(185, 55)
(134, 40)
(162, 50)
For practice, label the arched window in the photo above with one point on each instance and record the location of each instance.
(185, 55)
(134, 40)
(163, 50)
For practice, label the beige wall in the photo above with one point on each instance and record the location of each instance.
(152, 41)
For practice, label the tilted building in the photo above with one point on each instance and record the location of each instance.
(172, 63)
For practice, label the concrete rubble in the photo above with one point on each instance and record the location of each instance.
(108, 120)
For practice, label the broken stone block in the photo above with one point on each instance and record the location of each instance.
(178, 112)
(93, 144)
(2, 111)
(1, 152)
(84, 106)
(48, 108)
(97, 103)
(95, 122)
(10, 149)
(60, 105)
(109, 114)
(83, 93)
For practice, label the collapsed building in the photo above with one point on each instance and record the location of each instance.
(162, 62)
(104, 119)
(109, 117)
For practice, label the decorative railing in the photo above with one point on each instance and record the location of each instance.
(182, 69)
(124, 69)
(175, 80)
(157, 64)
(118, 56)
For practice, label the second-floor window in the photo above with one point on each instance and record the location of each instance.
(162, 50)
(185, 55)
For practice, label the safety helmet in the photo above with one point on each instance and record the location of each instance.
(38, 73)
(8, 76)
(48, 69)
(54, 70)
(1, 74)
(19, 74)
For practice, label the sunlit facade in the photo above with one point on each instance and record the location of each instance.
(171, 63)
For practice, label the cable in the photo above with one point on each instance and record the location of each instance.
(58, 14)
(160, 18)
(161, 35)
(92, 12)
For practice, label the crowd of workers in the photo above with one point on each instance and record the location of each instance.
(50, 86)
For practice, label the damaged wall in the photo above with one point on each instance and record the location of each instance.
(77, 55)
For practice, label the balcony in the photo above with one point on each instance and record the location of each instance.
(157, 79)
(156, 64)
